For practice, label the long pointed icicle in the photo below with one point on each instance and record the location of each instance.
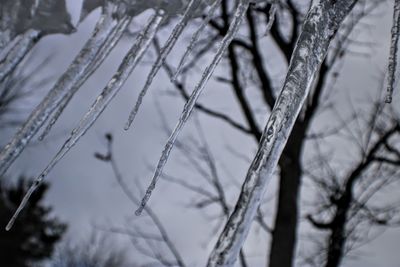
(394, 48)
(128, 64)
(319, 28)
(100, 57)
(18, 53)
(74, 73)
(195, 38)
(188, 108)
(170, 43)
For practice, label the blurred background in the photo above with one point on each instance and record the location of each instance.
(336, 185)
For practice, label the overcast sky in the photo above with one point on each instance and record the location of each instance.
(83, 191)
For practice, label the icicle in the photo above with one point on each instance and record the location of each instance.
(394, 47)
(195, 38)
(176, 32)
(100, 57)
(74, 73)
(128, 64)
(271, 17)
(4, 41)
(188, 108)
(54, 117)
(23, 203)
(319, 28)
(18, 53)
(20, 16)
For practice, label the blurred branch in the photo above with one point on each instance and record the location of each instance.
(109, 157)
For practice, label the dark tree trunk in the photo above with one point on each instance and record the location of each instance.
(337, 237)
(336, 246)
(284, 236)
(285, 231)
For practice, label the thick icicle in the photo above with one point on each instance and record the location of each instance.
(394, 48)
(112, 40)
(176, 32)
(18, 53)
(188, 108)
(128, 64)
(66, 82)
(195, 38)
(318, 30)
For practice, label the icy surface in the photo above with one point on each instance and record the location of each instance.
(165, 50)
(318, 29)
(394, 47)
(188, 108)
(50, 16)
(108, 46)
(64, 86)
(195, 38)
(116, 16)
(128, 64)
(18, 53)
(23, 24)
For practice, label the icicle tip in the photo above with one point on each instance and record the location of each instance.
(142, 206)
(126, 127)
(41, 137)
(139, 211)
(174, 78)
(388, 99)
(9, 225)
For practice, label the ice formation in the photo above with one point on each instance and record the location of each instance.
(165, 50)
(318, 29)
(115, 18)
(16, 42)
(65, 86)
(394, 48)
(189, 106)
(128, 64)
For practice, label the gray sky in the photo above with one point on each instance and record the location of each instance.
(83, 191)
